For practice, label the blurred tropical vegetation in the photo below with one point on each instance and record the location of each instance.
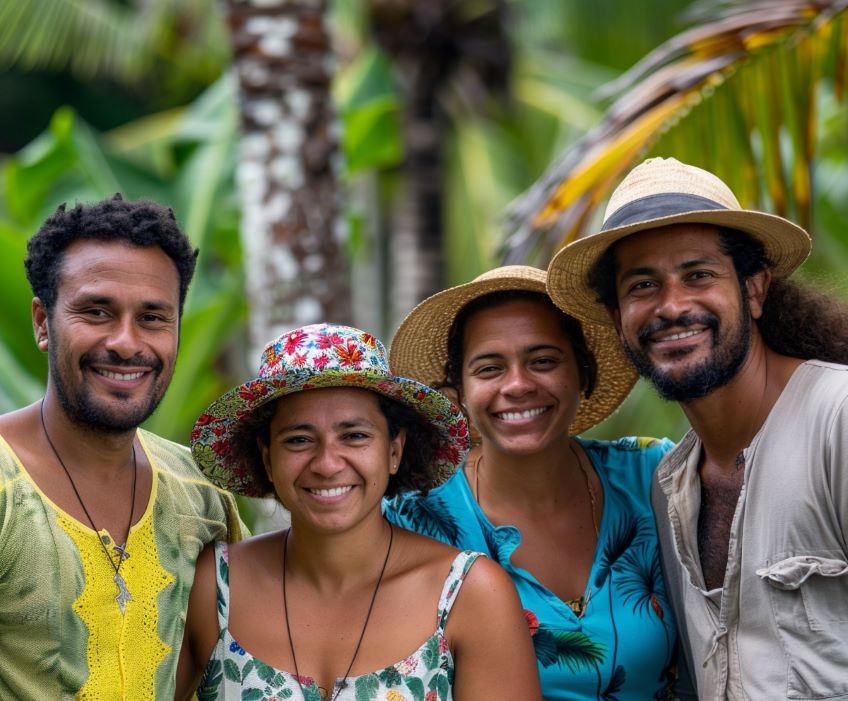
(460, 133)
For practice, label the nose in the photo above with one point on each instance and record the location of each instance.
(673, 301)
(327, 460)
(517, 382)
(125, 338)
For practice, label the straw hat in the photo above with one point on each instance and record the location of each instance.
(419, 348)
(313, 357)
(660, 192)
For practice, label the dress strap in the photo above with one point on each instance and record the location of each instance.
(459, 568)
(222, 583)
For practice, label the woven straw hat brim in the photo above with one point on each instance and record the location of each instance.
(419, 348)
(212, 437)
(786, 246)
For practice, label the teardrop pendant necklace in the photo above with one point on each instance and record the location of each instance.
(123, 593)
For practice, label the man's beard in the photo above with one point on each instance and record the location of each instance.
(85, 411)
(716, 371)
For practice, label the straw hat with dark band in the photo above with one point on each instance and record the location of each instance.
(657, 193)
(420, 346)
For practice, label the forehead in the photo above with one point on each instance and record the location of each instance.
(332, 404)
(90, 265)
(523, 321)
(656, 247)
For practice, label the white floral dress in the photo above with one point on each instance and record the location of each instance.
(426, 675)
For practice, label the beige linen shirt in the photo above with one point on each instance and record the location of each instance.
(778, 627)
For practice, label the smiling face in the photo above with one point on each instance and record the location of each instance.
(520, 382)
(329, 456)
(112, 334)
(682, 316)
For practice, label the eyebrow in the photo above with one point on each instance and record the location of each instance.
(685, 265)
(528, 349)
(155, 305)
(344, 424)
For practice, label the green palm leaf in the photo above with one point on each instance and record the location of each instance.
(737, 95)
(573, 649)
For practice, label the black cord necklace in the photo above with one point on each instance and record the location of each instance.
(321, 690)
(123, 593)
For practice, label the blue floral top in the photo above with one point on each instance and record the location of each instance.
(622, 647)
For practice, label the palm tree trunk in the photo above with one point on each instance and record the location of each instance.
(292, 228)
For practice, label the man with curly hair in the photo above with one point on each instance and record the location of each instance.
(101, 522)
(752, 505)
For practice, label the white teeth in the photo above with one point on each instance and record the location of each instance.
(684, 334)
(120, 376)
(517, 415)
(334, 492)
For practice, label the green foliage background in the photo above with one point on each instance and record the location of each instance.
(184, 156)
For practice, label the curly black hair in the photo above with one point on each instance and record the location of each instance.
(141, 223)
(797, 320)
(418, 469)
(586, 364)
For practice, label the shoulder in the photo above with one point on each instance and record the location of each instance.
(627, 451)
(437, 514)
(175, 464)
(183, 488)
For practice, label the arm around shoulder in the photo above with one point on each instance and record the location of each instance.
(490, 639)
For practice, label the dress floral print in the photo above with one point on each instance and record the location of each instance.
(426, 675)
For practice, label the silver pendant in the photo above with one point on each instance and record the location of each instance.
(123, 593)
(122, 552)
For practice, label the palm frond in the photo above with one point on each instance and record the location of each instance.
(102, 39)
(737, 95)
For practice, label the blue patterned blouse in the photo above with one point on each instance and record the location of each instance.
(622, 647)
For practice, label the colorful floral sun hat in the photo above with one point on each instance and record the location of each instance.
(314, 357)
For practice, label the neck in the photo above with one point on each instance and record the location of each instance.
(538, 480)
(727, 419)
(103, 452)
(336, 562)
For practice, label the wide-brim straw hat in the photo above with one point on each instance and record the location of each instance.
(315, 357)
(419, 348)
(657, 193)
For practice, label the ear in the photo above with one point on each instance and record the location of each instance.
(757, 286)
(396, 451)
(265, 454)
(39, 323)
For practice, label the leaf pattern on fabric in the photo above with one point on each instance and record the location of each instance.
(430, 517)
(571, 649)
(615, 685)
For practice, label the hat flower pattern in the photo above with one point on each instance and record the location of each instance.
(314, 357)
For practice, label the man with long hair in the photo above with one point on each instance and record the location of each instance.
(752, 505)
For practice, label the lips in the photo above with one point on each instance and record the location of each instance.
(520, 415)
(120, 376)
(331, 491)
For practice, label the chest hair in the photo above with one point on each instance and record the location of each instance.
(719, 496)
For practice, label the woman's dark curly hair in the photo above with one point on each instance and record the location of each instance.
(586, 364)
(141, 223)
(796, 321)
(417, 471)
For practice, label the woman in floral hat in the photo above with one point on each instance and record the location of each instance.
(343, 606)
(569, 519)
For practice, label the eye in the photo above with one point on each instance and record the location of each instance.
(354, 436)
(296, 440)
(95, 313)
(485, 370)
(701, 275)
(544, 362)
